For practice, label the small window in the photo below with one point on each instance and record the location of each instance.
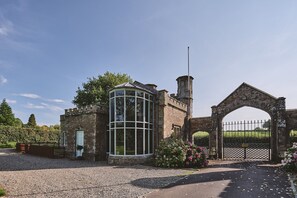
(176, 130)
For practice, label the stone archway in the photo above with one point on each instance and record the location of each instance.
(247, 95)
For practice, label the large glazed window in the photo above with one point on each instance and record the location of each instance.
(130, 122)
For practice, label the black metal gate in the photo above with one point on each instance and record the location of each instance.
(246, 140)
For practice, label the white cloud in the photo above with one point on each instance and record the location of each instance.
(51, 107)
(56, 100)
(11, 101)
(3, 80)
(6, 26)
(30, 95)
(3, 30)
(44, 106)
(32, 106)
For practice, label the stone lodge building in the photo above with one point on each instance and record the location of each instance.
(139, 116)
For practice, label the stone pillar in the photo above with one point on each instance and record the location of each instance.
(281, 126)
(214, 136)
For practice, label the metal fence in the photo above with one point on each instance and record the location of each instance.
(247, 140)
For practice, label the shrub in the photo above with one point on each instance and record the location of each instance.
(174, 153)
(25, 135)
(2, 192)
(290, 160)
(195, 156)
(7, 145)
(170, 153)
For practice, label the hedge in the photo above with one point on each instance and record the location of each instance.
(25, 135)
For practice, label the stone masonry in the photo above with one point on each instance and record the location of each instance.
(93, 120)
(247, 95)
(169, 112)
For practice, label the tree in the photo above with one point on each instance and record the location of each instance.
(18, 122)
(95, 91)
(32, 121)
(6, 115)
(267, 124)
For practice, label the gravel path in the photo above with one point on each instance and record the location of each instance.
(30, 176)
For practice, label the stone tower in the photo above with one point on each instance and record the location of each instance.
(183, 91)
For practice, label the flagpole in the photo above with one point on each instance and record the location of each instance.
(189, 94)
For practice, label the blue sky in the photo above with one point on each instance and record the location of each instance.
(49, 48)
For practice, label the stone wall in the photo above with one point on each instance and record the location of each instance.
(172, 112)
(130, 160)
(201, 124)
(291, 119)
(93, 121)
(246, 95)
(204, 124)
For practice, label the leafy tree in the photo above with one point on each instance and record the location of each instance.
(95, 91)
(6, 115)
(267, 124)
(55, 127)
(18, 122)
(32, 121)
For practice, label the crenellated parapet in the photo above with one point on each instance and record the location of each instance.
(176, 103)
(85, 110)
(165, 99)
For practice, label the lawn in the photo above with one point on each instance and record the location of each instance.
(201, 138)
(201, 134)
(247, 134)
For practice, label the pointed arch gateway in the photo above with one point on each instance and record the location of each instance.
(247, 95)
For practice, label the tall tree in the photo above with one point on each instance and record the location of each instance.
(95, 91)
(32, 121)
(18, 122)
(6, 115)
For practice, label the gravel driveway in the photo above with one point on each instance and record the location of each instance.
(24, 175)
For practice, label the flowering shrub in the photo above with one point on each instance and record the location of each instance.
(173, 153)
(170, 153)
(290, 160)
(195, 156)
